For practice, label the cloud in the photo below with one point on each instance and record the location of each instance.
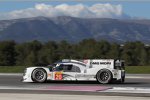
(79, 10)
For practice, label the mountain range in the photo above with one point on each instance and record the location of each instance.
(75, 29)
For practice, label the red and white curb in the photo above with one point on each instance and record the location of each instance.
(60, 88)
(78, 88)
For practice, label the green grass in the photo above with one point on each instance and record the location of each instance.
(12, 69)
(138, 69)
(129, 69)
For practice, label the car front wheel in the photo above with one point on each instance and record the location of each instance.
(39, 75)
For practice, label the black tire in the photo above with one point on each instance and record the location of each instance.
(123, 79)
(39, 75)
(104, 76)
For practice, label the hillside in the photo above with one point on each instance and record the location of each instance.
(74, 29)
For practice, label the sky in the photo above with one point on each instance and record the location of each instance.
(89, 9)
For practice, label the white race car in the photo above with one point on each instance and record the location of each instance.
(102, 70)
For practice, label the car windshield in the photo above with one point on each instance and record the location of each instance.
(58, 67)
(51, 67)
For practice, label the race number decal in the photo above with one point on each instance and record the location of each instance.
(58, 76)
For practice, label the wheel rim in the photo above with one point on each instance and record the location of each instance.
(39, 75)
(104, 76)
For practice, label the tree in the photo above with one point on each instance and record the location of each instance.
(128, 53)
(102, 49)
(144, 57)
(148, 54)
(28, 52)
(31, 59)
(64, 50)
(114, 52)
(37, 53)
(7, 53)
(22, 52)
(86, 49)
(141, 54)
(48, 54)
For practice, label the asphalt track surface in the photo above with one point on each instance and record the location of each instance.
(14, 84)
(131, 81)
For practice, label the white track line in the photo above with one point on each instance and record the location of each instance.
(129, 90)
(11, 74)
(137, 77)
(19, 88)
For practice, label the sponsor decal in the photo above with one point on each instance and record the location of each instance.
(84, 75)
(100, 63)
(105, 63)
(94, 63)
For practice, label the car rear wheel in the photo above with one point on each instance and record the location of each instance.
(39, 75)
(104, 76)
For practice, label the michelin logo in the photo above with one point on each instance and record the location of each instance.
(100, 63)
